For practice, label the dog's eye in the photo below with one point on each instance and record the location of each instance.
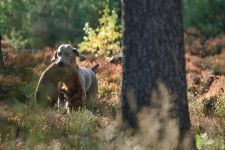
(59, 53)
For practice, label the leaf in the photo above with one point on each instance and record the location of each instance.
(198, 140)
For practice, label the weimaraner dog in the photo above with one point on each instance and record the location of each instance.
(67, 82)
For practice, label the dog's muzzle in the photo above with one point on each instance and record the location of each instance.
(62, 61)
(61, 64)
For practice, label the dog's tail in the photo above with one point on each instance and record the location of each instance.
(94, 68)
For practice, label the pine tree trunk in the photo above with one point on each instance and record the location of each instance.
(153, 55)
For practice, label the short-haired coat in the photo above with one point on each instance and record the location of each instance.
(76, 83)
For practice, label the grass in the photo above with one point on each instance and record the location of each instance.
(24, 125)
(36, 126)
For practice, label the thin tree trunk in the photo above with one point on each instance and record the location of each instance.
(153, 55)
(1, 54)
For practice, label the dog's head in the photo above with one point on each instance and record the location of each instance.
(66, 54)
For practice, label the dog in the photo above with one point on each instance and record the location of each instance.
(64, 81)
(46, 93)
(79, 84)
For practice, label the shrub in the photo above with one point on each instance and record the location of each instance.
(17, 40)
(197, 44)
(220, 106)
(46, 22)
(204, 142)
(105, 39)
(35, 126)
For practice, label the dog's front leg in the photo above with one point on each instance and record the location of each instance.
(83, 95)
(67, 106)
(76, 101)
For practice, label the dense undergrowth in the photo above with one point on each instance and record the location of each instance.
(24, 125)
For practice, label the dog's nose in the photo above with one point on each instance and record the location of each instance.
(61, 63)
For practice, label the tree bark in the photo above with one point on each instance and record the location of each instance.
(1, 54)
(153, 54)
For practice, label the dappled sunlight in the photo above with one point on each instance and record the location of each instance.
(205, 94)
(32, 30)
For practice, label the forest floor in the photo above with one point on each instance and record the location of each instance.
(24, 125)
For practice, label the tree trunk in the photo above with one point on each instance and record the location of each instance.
(1, 54)
(154, 59)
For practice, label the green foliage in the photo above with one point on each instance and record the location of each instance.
(13, 15)
(208, 16)
(54, 21)
(17, 39)
(45, 23)
(105, 39)
(81, 122)
(204, 142)
(14, 21)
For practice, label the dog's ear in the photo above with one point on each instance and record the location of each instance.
(82, 57)
(54, 57)
(75, 51)
(78, 54)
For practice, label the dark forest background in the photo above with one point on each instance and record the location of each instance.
(36, 24)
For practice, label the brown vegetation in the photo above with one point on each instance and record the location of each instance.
(206, 95)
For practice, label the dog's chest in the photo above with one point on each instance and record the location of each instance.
(72, 83)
